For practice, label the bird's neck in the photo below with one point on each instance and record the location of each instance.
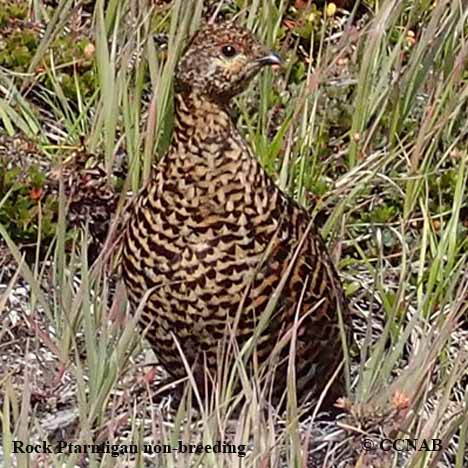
(200, 119)
(205, 141)
(207, 159)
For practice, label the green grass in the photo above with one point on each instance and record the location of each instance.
(369, 122)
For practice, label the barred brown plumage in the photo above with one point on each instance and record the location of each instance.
(211, 233)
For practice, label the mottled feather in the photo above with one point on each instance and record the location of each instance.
(211, 233)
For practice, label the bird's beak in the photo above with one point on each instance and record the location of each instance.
(271, 59)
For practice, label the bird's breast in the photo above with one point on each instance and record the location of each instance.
(195, 243)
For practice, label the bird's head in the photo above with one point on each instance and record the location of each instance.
(221, 59)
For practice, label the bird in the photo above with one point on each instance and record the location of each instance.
(211, 238)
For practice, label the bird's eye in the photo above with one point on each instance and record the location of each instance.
(229, 51)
